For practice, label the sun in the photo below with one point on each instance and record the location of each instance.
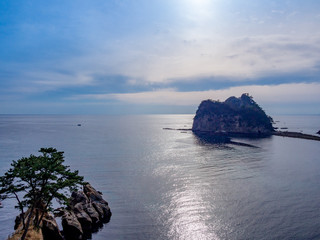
(201, 10)
(199, 3)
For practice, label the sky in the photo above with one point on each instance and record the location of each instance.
(157, 56)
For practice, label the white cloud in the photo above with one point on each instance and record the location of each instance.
(202, 39)
(39, 81)
(283, 93)
(205, 39)
(52, 79)
(166, 60)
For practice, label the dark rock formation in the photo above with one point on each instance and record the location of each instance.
(83, 206)
(88, 211)
(83, 217)
(86, 214)
(50, 229)
(318, 132)
(236, 116)
(100, 205)
(71, 226)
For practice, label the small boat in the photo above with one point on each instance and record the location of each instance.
(1, 206)
(79, 125)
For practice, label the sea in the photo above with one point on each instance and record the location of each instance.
(170, 184)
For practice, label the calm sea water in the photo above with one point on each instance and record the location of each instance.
(163, 184)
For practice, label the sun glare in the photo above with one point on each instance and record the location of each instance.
(199, 3)
(199, 8)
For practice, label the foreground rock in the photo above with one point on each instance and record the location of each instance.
(88, 211)
(236, 116)
(48, 230)
(71, 226)
(98, 203)
(86, 214)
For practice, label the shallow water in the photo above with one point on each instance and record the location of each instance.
(163, 184)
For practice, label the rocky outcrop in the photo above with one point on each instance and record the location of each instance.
(49, 229)
(86, 214)
(83, 218)
(318, 132)
(235, 116)
(71, 226)
(100, 205)
(88, 211)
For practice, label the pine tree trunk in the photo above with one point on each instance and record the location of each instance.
(27, 224)
(21, 209)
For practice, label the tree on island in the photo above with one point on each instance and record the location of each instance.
(41, 179)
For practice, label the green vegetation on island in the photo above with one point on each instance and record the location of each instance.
(235, 116)
(217, 121)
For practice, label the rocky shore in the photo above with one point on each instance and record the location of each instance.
(87, 212)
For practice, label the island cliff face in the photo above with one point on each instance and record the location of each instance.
(235, 116)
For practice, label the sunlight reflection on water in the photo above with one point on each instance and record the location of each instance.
(188, 216)
(189, 204)
(169, 185)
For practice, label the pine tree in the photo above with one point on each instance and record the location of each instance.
(41, 179)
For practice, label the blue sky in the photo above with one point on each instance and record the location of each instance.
(160, 56)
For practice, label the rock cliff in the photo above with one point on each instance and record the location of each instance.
(235, 116)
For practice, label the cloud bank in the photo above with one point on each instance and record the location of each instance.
(173, 53)
(285, 93)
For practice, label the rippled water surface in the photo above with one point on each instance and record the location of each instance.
(166, 184)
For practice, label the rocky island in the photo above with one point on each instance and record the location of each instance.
(217, 121)
(233, 117)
